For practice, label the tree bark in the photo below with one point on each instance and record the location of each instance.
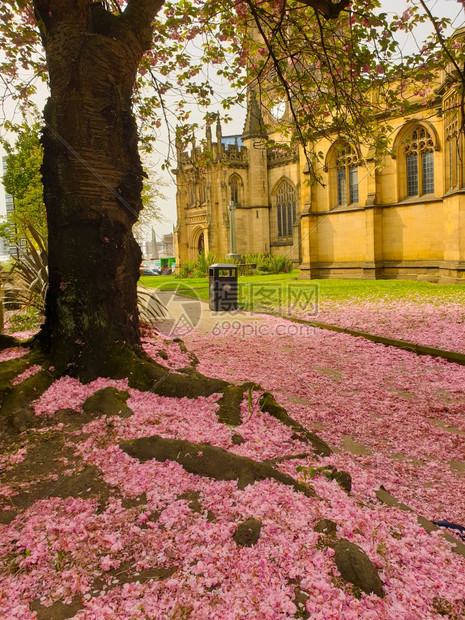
(92, 178)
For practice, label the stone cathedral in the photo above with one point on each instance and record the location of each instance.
(402, 218)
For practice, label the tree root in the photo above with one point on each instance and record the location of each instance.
(206, 460)
(145, 374)
(229, 411)
(269, 404)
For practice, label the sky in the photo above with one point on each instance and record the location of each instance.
(442, 8)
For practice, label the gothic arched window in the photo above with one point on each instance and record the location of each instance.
(235, 189)
(285, 200)
(346, 175)
(419, 162)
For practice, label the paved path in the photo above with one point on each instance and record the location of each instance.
(185, 314)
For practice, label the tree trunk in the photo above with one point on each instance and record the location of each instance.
(92, 178)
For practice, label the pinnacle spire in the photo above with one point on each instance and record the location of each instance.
(254, 126)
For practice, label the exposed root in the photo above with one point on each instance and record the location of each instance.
(269, 404)
(229, 411)
(143, 373)
(206, 460)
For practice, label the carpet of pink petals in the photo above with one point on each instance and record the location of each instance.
(388, 400)
(393, 402)
(440, 325)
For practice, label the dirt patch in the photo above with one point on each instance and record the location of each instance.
(237, 439)
(85, 484)
(44, 455)
(336, 375)
(72, 419)
(446, 428)
(132, 502)
(193, 500)
(43, 474)
(398, 456)
(457, 467)
(300, 601)
(401, 393)
(128, 573)
(298, 400)
(248, 532)
(57, 611)
(7, 516)
(354, 447)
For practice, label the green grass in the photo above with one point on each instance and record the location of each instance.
(328, 290)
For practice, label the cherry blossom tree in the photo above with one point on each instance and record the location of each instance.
(98, 58)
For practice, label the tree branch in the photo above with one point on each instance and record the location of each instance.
(327, 8)
(139, 15)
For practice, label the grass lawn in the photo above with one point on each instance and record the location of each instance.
(278, 285)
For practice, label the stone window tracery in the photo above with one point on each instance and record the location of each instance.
(347, 163)
(286, 211)
(419, 161)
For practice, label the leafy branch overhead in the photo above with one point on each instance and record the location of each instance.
(339, 65)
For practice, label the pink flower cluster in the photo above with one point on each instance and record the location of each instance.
(69, 393)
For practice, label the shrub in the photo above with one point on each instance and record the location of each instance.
(203, 263)
(185, 269)
(266, 263)
(29, 273)
(274, 264)
(248, 265)
(197, 268)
